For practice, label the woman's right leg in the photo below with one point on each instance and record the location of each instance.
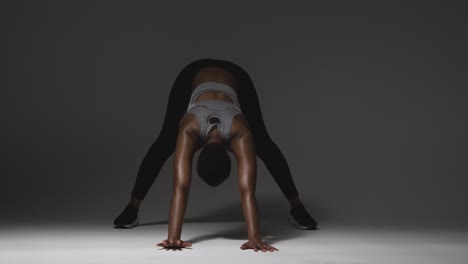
(164, 145)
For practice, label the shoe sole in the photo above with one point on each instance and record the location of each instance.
(297, 225)
(132, 224)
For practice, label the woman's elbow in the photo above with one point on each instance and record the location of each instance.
(181, 187)
(246, 191)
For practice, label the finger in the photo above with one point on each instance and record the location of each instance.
(256, 247)
(187, 244)
(179, 243)
(162, 244)
(267, 248)
(248, 245)
(244, 246)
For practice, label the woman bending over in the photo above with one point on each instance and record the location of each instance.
(235, 87)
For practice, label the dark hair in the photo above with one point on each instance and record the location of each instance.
(214, 164)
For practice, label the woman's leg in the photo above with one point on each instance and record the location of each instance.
(270, 154)
(267, 150)
(179, 97)
(165, 143)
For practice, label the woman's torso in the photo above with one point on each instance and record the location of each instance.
(214, 74)
(221, 80)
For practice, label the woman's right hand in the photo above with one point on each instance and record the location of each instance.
(174, 244)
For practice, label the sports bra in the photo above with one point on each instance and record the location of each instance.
(213, 114)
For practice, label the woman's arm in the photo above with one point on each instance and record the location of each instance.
(243, 147)
(187, 143)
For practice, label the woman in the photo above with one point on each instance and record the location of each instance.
(165, 144)
(214, 121)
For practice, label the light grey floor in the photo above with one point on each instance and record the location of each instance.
(219, 242)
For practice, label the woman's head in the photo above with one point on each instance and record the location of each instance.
(214, 164)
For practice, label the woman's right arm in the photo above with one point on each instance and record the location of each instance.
(187, 143)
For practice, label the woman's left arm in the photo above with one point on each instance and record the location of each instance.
(243, 147)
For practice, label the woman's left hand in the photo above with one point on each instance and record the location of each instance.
(258, 245)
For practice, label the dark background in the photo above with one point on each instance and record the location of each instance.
(366, 99)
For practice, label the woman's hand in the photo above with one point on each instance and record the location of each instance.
(174, 244)
(258, 245)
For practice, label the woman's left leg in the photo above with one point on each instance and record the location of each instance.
(266, 149)
(269, 153)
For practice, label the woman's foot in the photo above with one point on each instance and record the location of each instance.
(301, 219)
(128, 218)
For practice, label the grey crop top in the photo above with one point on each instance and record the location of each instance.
(213, 114)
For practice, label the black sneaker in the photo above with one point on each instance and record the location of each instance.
(301, 219)
(128, 218)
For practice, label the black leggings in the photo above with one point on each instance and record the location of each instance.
(179, 98)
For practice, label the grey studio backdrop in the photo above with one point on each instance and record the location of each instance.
(366, 99)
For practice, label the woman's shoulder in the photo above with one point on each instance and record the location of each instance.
(240, 126)
(189, 124)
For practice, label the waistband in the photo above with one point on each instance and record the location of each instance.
(213, 86)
